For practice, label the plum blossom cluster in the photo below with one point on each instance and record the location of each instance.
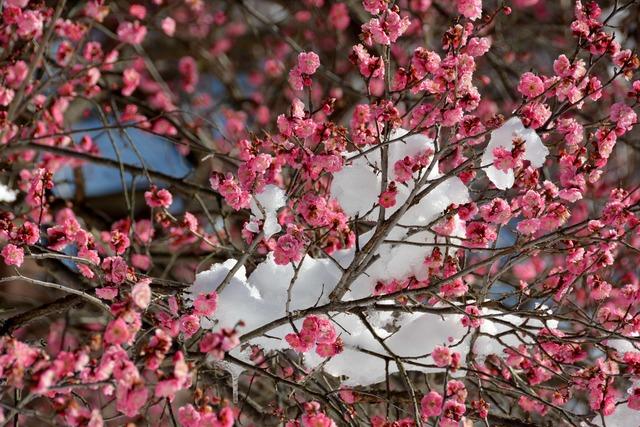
(385, 205)
(451, 410)
(319, 332)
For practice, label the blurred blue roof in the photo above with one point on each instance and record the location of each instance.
(157, 154)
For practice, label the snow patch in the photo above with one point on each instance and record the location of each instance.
(535, 151)
(7, 194)
(264, 206)
(270, 290)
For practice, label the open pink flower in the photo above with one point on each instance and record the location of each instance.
(431, 404)
(530, 85)
(158, 198)
(13, 255)
(141, 293)
(131, 32)
(117, 332)
(308, 62)
(471, 9)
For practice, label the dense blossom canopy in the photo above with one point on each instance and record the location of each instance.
(319, 212)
